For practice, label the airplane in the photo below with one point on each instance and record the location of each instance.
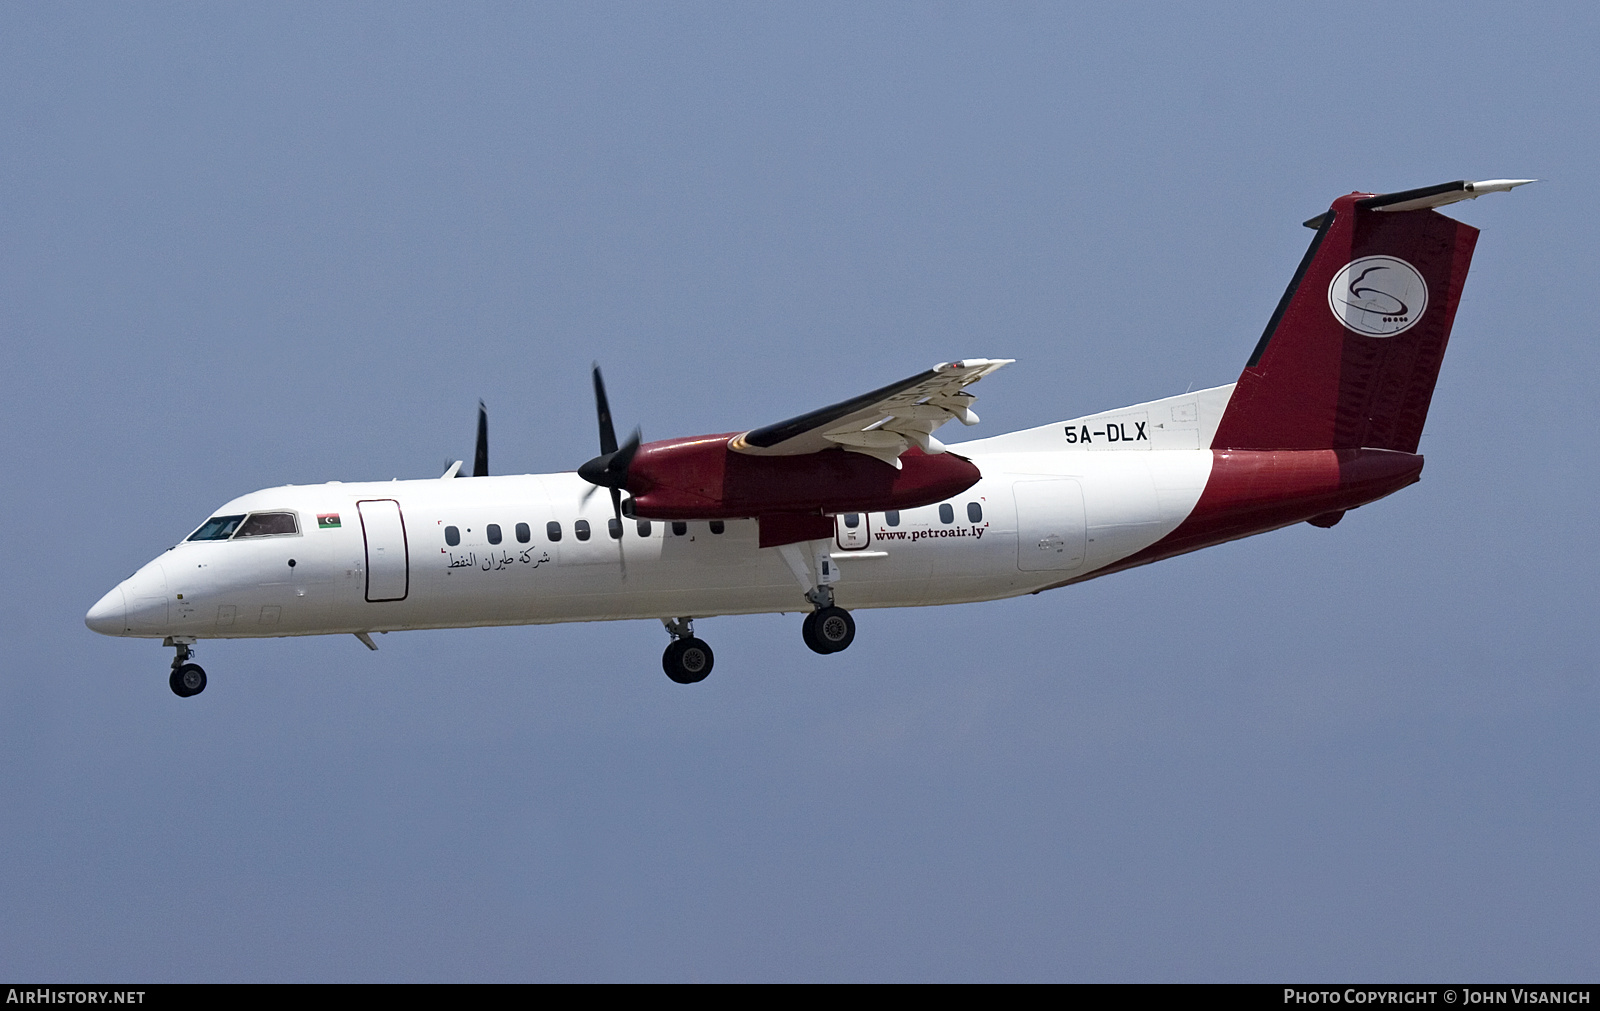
(857, 505)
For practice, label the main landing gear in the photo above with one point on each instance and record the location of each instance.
(187, 678)
(687, 660)
(829, 628)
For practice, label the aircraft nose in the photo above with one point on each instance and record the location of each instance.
(109, 615)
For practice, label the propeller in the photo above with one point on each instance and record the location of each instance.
(480, 455)
(610, 468)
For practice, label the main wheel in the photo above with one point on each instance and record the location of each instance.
(808, 632)
(687, 661)
(829, 630)
(190, 679)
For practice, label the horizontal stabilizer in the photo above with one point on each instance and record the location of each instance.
(1430, 197)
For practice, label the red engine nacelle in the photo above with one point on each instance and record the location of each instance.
(702, 478)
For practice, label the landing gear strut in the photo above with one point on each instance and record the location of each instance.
(187, 678)
(687, 660)
(828, 628)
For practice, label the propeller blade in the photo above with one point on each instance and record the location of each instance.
(610, 468)
(623, 458)
(616, 511)
(608, 434)
(480, 456)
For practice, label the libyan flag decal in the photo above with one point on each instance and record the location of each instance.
(327, 521)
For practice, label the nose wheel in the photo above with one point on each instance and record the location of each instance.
(829, 630)
(187, 678)
(687, 660)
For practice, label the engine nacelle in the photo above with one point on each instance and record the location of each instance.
(702, 478)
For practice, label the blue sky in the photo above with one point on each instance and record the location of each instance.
(254, 246)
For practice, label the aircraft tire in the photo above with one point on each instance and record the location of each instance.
(808, 632)
(188, 680)
(687, 661)
(829, 630)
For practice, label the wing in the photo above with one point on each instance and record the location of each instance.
(883, 423)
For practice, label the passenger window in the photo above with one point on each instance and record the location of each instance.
(892, 517)
(644, 528)
(552, 531)
(581, 528)
(717, 526)
(524, 535)
(217, 528)
(267, 524)
(452, 536)
(614, 528)
(974, 512)
(679, 528)
(852, 520)
(946, 513)
(493, 530)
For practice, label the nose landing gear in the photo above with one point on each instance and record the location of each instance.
(187, 678)
(687, 660)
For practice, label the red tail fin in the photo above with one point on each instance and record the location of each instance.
(1350, 357)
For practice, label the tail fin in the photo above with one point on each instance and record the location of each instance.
(1349, 359)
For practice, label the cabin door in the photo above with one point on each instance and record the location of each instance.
(388, 560)
(1051, 530)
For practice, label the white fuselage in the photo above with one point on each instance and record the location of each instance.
(1043, 513)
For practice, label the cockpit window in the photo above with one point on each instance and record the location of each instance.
(217, 528)
(266, 524)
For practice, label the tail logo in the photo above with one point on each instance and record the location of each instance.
(1378, 296)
